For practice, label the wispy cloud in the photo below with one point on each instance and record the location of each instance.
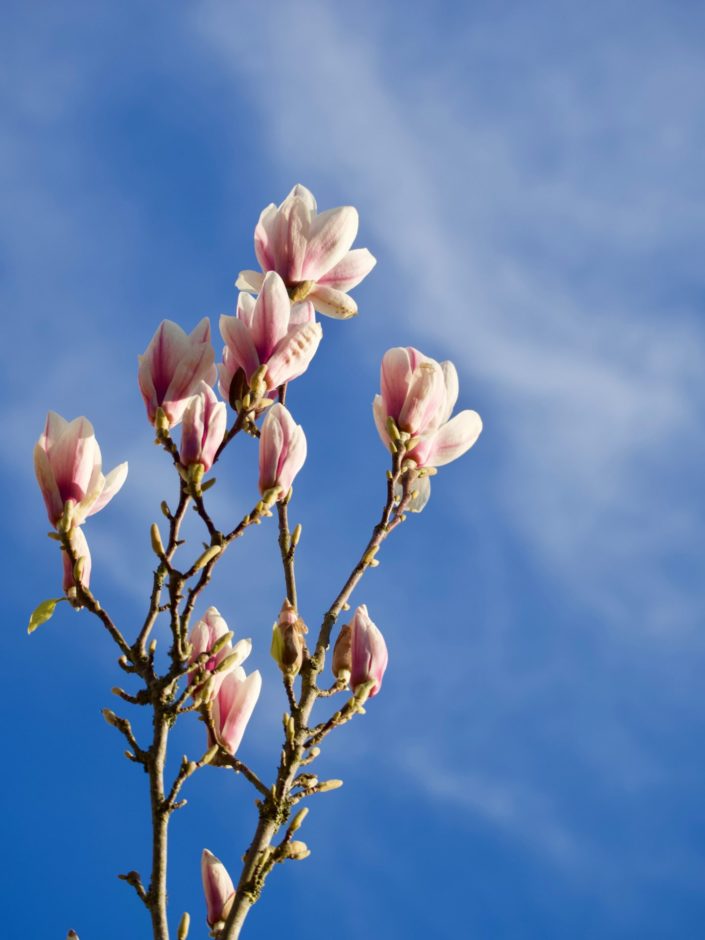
(590, 387)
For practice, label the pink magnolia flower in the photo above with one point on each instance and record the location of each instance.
(203, 638)
(82, 553)
(282, 450)
(311, 252)
(268, 332)
(217, 887)
(67, 462)
(203, 429)
(420, 394)
(173, 367)
(233, 706)
(368, 651)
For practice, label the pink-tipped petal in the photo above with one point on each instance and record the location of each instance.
(354, 267)
(47, 484)
(112, 484)
(270, 319)
(424, 399)
(241, 347)
(301, 313)
(265, 232)
(453, 439)
(330, 236)
(293, 354)
(379, 413)
(395, 376)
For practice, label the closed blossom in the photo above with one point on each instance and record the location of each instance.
(173, 367)
(203, 428)
(282, 450)
(268, 332)
(68, 465)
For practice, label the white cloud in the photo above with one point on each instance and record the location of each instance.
(589, 385)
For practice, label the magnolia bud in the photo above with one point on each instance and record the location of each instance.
(287, 640)
(297, 850)
(342, 654)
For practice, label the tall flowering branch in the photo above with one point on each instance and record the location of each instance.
(308, 264)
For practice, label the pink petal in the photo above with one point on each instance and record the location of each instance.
(332, 303)
(240, 344)
(112, 484)
(265, 230)
(395, 376)
(348, 273)
(301, 313)
(424, 399)
(246, 309)
(270, 318)
(454, 438)
(293, 354)
(329, 238)
(379, 412)
(47, 483)
(72, 459)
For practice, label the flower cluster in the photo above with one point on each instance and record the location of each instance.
(307, 264)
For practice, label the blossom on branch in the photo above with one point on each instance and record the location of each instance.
(360, 653)
(311, 251)
(204, 637)
(218, 888)
(233, 706)
(268, 332)
(282, 451)
(68, 465)
(203, 429)
(173, 367)
(418, 395)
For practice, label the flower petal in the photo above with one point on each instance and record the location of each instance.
(270, 318)
(454, 438)
(329, 239)
(250, 281)
(332, 302)
(293, 354)
(348, 273)
(241, 347)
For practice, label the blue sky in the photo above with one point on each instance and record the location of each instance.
(529, 177)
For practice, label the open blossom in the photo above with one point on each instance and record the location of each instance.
(203, 428)
(173, 367)
(360, 652)
(218, 888)
(80, 549)
(420, 394)
(233, 706)
(68, 465)
(312, 253)
(268, 332)
(203, 638)
(282, 450)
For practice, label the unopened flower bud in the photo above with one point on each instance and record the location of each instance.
(342, 654)
(288, 640)
(184, 924)
(369, 652)
(297, 850)
(217, 887)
